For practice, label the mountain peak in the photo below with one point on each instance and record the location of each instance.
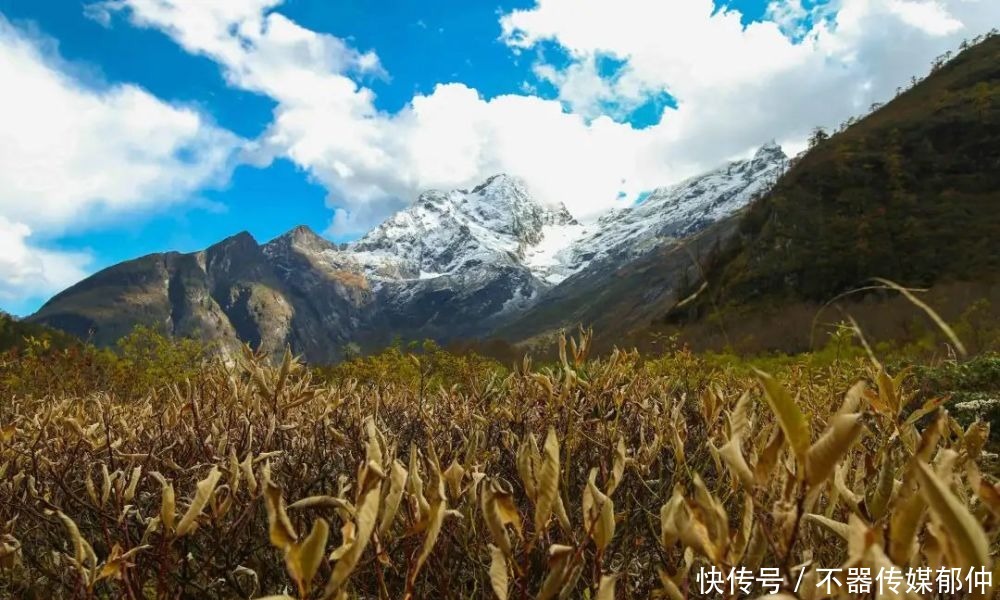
(769, 149)
(300, 238)
(301, 233)
(242, 239)
(500, 181)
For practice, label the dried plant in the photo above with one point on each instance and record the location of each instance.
(587, 479)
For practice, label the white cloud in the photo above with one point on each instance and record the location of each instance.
(738, 85)
(27, 271)
(929, 16)
(585, 91)
(73, 153)
(735, 86)
(790, 16)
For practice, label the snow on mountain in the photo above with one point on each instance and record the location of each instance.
(545, 259)
(462, 262)
(497, 224)
(674, 212)
(475, 235)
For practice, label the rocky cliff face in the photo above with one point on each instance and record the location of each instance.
(458, 264)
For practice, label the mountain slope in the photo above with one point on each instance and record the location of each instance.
(455, 264)
(911, 193)
(462, 264)
(632, 267)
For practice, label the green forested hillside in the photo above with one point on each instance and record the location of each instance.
(910, 193)
(14, 333)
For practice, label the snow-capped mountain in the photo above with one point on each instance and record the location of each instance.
(454, 264)
(674, 212)
(631, 261)
(499, 223)
(496, 223)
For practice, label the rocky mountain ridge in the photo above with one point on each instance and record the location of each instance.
(452, 265)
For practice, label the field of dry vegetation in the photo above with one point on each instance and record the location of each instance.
(610, 478)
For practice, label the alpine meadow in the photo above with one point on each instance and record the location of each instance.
(774, 377)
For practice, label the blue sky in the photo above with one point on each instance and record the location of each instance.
(334, 114)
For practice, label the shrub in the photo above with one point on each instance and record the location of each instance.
(613, 478)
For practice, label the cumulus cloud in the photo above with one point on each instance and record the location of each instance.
(27, 271)
(73, 153)
(735, 86)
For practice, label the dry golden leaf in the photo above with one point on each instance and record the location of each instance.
(204, 491)
(346, 541)
(841, 529)
(560, 568)
(280, 528)
(740, 419)
(877, 500)
(167, 503)
(669, 526)
(601, 520)
(322, 502)
(367, 514)
(129, 493)
(397, 481)
(112, 567)
(415, 485)
(587, 502)
(966, 532)
(904, 523)
(927, 408)
(453, 478)
(498, 572)
(373, 447)
(88, 483)
(852, 399)
(247, 468)
(83, 553)
(105, 485)
(769, 456)
(695, 535)
(560, 511)
(840, 484)
(508, 512)
(975, 438)
(670, 588)
(606, 588)
(791, 419)
(741, 538)
(548, 482)
(754, 555)
(889, 399)
(732, 454)
(990, 495)
(439, 506)
(714, 512)
(838, 438)
(618, 467)
(527, 459)
(304, 558)
(491, 514)
(116, 562)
